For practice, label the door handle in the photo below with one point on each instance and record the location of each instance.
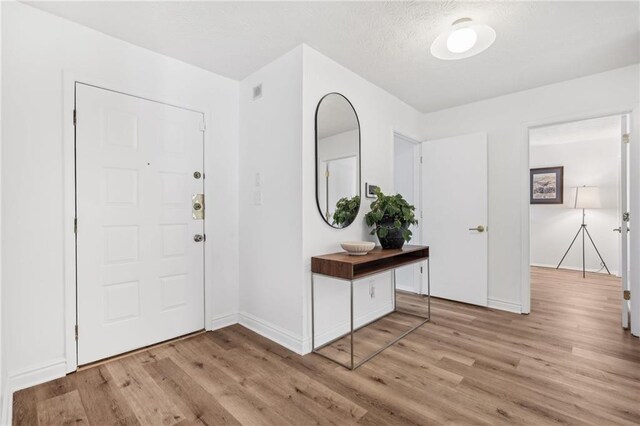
(619, 229)
(478, 228)
(198, 238)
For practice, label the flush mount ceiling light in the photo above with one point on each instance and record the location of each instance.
(465, 38)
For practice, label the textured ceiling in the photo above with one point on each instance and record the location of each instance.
(578, 131)
(387, 43)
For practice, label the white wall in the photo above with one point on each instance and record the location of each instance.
(37, 48)
(553, 226)
(271, 233)
(278, 237)
(504, 119)
(380, 114)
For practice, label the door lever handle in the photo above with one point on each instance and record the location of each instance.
(478, 228)
(619, 229)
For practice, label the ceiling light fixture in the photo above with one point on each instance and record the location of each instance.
(464, 39)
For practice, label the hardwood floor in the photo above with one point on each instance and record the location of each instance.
(567, 362)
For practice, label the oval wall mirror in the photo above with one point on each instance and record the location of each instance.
(337, 160)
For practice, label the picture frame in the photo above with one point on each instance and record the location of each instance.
(546, 185)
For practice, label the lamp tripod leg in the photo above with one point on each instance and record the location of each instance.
(594, 246)
(570, 245)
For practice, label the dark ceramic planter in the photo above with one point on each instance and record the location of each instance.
(393, 239)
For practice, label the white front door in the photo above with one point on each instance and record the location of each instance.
(140, 275)
(454, 223)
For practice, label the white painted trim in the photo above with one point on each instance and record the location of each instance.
(70, 77)
(272, 332)
(28, 377)
(503, 305)
(525, 237)
(575, 268)
(7, 403)
(224, 321)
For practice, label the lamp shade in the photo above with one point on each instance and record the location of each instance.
(587, 197)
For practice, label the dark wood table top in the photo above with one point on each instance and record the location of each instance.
(345, 266)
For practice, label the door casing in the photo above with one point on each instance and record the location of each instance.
(70, 78)
(525, 275)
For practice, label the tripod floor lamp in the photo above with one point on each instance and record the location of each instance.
(587, 197)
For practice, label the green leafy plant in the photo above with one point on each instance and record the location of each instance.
(346, 211)
(391, 211)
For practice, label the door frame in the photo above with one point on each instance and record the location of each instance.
(525, 230)
(417, 196)
(69, 80)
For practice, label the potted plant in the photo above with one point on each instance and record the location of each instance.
(391, 217)
(346, 211)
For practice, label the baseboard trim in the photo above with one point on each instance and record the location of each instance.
(571, 268)
(224, 321)
(503, 305)
(27, 377)
(272, 332)
(7, 402)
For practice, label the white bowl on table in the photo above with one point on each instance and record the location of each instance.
(357, 248)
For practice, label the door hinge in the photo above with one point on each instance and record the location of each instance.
(626, 294)
(625, 216)
(75, 117)
(76, 332)
(204, 237)
(203, 126)
(626, 138)
(421, 269)
(421, 159)
(75, 225)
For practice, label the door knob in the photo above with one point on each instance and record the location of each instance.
(478, 228)
(198, 238)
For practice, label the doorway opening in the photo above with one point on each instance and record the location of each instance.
(406, 178)
(578, 220)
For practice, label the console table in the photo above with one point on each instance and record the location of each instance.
(349, 269)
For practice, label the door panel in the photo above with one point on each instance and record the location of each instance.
(454, 199)
(139, 271)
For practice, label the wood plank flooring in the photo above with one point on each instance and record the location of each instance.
(568, 362)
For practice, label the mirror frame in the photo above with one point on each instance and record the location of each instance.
(359, 157)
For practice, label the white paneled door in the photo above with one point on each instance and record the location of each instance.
(454, 223)
(140, 273)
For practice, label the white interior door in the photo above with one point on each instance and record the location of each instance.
(454, 204)
(140, 273)
(406, 178)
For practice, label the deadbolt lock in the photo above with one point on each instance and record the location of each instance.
(197, 206)
(197, 175)
(198, 238)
